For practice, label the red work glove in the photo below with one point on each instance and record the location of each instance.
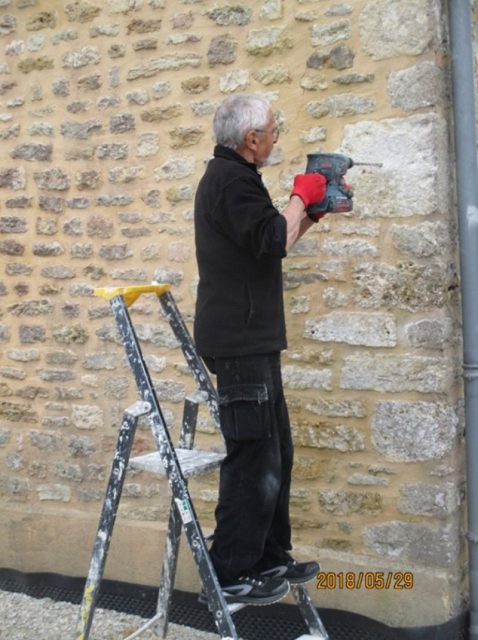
(310, 187)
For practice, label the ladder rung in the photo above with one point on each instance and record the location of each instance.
(191, 461)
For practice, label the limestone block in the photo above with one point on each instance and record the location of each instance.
(126, 174)
(31, 333)
(81, 446)
(399, 188)
(87, 416)
(417, 87)
(100, 361)
(8, 24)
(178, 167)
(422, 240)
(341, 105)
(312, 135)
(235, 80)
(430, 333)
(263, 42)
(349, 247)
(185, 136)
(411, 431)
(165, 63)
(372, 330)
(397, 373)
(222, 50)
(108, 30)
(70, 334)
(123, 6)
(414, 542)
(395, 27)
(80, 130)
(202, 108)
(157, 334)
(230, 14)
(170, 390)
(337, 408)
(43, 20)
(15, 412)
(306, 378)
(324, 35)
(140, 97)
(113, 150)
(47, 249)
(81, 11)
(71, 472)
(131, 275)
(118, 200)
(13, 224)
(161, 89)
(162, 113)
(339, 438)
(410, 286)
(81, 58)
(178, 194)
(432, 500)
(13, 178)
(350, 502)
(182, 20)
(11, 248)
(115, 251)
(27, 65)
(195, 85)
(271, 10)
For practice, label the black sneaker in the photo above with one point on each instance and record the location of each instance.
(255, 590)
(293, 571)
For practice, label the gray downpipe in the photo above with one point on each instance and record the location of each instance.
(462, 71)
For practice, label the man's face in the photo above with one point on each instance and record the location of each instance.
(265, 140)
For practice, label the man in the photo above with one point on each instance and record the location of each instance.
(239, 331)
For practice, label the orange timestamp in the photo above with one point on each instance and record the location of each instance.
(329, 580)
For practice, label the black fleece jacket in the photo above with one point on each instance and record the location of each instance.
(240, 242)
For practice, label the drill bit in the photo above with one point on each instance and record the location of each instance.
(368, 164)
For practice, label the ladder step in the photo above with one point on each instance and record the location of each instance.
(191, 461)
(308, 637)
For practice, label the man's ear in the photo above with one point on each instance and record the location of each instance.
(250, 139)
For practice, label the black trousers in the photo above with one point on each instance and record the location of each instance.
(252, 515)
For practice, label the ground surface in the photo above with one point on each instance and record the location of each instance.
(25, 618)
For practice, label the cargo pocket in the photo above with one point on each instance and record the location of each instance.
(245, 412)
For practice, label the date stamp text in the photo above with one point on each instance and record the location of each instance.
(329, 580)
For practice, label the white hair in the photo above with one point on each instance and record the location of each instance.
(237, 115)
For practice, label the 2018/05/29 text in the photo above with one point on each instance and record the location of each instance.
(329, 580)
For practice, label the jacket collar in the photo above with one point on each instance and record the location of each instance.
(230, 154)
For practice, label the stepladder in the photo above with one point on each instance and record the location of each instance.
(177, 464)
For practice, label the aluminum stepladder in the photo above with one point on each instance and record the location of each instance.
(177, 464)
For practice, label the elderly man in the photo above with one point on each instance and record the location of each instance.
(239, 331)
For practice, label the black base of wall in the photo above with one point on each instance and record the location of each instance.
(278, 621)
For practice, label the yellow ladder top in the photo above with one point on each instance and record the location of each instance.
(131, 294)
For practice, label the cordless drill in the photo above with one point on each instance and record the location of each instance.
(333, 166)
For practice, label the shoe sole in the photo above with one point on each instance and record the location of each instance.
(301, 580)
(298, 580)
(254, 602)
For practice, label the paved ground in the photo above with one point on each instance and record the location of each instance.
(25, 618)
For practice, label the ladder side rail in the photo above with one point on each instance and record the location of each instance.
(168, 571)
(173, 470)
(196, 365)
(173, 538)
(188, 424)
(107, 520)
(309, 612)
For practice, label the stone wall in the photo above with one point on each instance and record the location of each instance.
(105, 119)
